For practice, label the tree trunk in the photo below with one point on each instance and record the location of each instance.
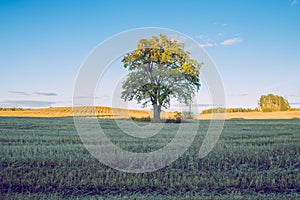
(156, 112)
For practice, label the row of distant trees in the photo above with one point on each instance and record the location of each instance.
(228, 110)
(11, 109)
(266, 103)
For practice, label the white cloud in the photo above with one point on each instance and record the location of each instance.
(294, 2)
(231, 41)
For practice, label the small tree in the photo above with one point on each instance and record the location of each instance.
(160, 69)
(271, 102)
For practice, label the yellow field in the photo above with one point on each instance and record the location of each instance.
(86, 111)
(257, 115)
(107, 112)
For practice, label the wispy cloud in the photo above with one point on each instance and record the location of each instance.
(231, 41)
(46, 93)
(205, 41)
(208, 45)
(37, 93)
(26, 103)
(204, 38)
(295, 103)
(18, 92)
(178, 38)
(216, 39)
(220, 24)
(294, 2)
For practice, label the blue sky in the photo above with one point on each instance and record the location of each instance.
(255, 44)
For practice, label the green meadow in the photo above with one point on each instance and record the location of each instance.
(44, 158)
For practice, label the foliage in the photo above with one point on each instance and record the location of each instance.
(214, 110)
(44, 158)
(271, 102)
(294, 109)
(187, 115)
(267, 103)
(160, 69)
(228, 110)
(11, 109)
(141, 119)
(177, 118)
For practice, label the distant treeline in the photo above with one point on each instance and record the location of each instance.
(266, 103)
(233, 110)
(11, 109)
(228, 110)
(294, 109)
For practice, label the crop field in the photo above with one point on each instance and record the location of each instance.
(44, 158)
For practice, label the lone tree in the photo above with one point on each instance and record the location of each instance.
(271, 102)
(160, 69)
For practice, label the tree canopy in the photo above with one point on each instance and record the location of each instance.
(271, 102)
(160, 69)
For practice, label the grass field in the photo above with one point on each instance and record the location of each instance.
(44, 158)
